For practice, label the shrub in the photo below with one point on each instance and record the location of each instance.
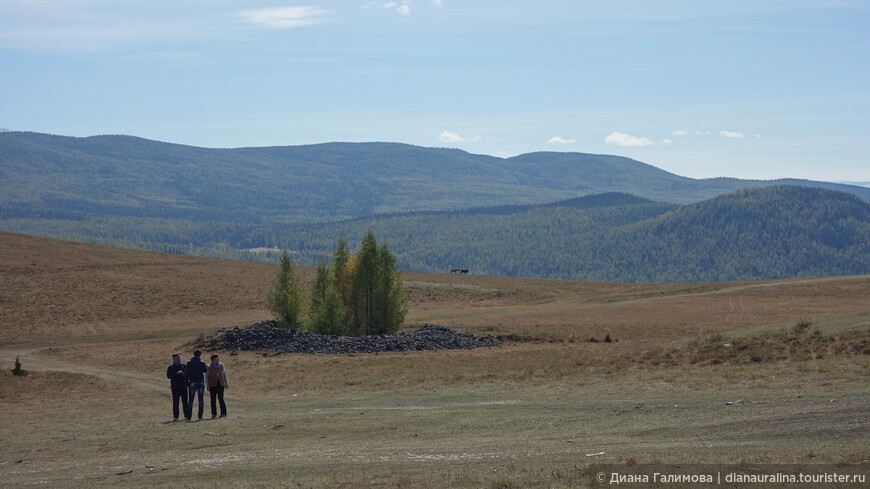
(17, 370)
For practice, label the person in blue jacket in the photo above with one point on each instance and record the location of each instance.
(196, 370)
(176, 372)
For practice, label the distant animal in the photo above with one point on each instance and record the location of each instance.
(454, 270)
(464, 271)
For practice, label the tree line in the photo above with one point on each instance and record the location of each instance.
(773, 232)
(356, 294)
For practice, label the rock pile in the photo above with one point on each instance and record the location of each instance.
(268, 336)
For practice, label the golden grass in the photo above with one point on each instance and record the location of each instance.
(94, 410)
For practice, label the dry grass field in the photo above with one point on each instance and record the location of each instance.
(699, 373)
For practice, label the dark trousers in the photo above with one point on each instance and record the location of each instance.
(217, 393)
(179, 394)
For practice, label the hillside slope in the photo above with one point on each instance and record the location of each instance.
(46, 176)
(771, 232)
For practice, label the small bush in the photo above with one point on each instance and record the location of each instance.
(801, 326)
(17, 370)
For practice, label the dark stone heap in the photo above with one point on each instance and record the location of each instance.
(268, 336)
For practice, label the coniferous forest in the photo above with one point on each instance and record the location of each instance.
(552, 215)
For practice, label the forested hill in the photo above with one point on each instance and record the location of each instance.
(772, 232)
(56, 177)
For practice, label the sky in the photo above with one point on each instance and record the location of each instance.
(749, 89)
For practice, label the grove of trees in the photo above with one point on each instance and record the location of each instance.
(356, 294)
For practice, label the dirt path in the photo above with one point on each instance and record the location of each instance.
(45, 364)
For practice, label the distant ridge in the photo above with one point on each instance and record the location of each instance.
(770, 232)
(130, 176)
(557, 215)
(857, 184)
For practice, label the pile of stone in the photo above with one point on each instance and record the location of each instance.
(267, 336)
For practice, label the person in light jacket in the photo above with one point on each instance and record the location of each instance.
(217, 383)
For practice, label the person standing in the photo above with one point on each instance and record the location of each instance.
(176, 372)
(217, 383)
(196, 370)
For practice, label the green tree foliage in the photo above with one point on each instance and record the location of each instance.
(330, 316)
(285, 296)
(771, 232)
(343, 270)
(364, 283)
(377, 299)
(360, 294)
(327, 311)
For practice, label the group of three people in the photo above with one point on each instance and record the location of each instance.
(192, 378)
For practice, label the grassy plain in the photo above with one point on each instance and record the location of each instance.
(95, 327)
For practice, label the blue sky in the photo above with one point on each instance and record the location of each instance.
(750, 89)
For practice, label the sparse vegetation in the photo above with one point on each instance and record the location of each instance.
(522, 414)
(793, 344)
(18, 370)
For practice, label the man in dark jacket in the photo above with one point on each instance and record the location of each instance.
(196, 370)
(176, 372)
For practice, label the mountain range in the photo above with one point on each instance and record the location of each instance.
(558, 215)
(129, 176)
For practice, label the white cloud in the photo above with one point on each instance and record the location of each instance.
(732, 134)
(560, 140)
(702, 133)
(436, 3)
(284, 17)
(681, 132)
(452, 137)
(403, 8)
(666, 141)
(622, 139)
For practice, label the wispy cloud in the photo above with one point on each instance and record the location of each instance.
(560, 140)
(284, 17)
(681, 132)
(732, 134)
(452, 137)
(622, 139)
(403, 7)
(667, 141)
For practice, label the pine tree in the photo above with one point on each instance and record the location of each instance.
(330, 316)
(364, 280)
(389, 307)
(378, 298)
(343, 271)
(285, 296)
(319, 288)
